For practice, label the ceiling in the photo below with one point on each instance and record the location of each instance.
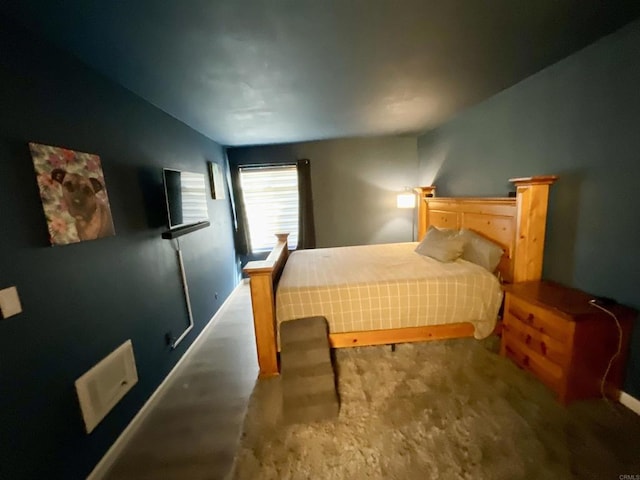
(247, 72)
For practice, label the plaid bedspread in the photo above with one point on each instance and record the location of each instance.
(375, 287)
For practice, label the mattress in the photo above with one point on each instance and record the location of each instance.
(377, 287)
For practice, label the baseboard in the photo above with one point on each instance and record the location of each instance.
(103, 466)
(632, 403)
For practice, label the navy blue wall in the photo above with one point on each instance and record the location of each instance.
(82, 300)
(579, 119)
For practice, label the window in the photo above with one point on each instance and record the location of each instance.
(270, 197)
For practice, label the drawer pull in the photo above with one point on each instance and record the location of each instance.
(527, 340)
(543, 348)
(528, 319)
(525, 361)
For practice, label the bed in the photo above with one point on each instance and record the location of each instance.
(383, 287)
(384, 295)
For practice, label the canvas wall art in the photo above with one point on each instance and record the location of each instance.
(74, 194)
(216, 180)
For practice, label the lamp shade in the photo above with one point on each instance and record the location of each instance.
(406, 200)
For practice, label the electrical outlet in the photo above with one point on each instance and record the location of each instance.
(9, 302)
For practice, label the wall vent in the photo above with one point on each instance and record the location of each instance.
(102, 387)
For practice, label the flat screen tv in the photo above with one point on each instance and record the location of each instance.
(186, 196)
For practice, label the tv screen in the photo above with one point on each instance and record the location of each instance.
(186, 196)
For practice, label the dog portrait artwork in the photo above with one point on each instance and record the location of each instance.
(73, 193)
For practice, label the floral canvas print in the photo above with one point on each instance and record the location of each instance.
(73, 193)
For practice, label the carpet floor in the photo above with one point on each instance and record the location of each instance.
(438, 410)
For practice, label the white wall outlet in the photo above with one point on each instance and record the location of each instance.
(9, 302)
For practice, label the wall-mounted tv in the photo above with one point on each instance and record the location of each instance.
(186, 197)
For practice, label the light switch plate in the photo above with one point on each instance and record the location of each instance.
(9, 302)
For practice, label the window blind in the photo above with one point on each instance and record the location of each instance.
(270, 197)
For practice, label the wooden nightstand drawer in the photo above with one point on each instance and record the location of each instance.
(539, 319)
(548, 372)
(541, 343)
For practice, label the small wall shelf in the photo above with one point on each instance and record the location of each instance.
(179, 231)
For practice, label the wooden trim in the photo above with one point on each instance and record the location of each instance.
(263, 279)
(532, 195)
(537, 180)
(629, 401)
(423, 193)
(400, 335)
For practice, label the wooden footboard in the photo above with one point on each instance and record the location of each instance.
(263, 278)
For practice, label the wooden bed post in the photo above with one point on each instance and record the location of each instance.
(423, 192)
(532, 195)
(263, 277)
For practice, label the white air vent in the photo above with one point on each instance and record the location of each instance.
(102, 387)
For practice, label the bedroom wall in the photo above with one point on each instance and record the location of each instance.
(82, 300)
(354, 182)
(579, 119)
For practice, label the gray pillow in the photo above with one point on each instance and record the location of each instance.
(443, 245)
(480, 250)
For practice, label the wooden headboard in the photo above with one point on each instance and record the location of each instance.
(517, 223)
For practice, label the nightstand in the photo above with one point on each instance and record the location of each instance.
(553, 332)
